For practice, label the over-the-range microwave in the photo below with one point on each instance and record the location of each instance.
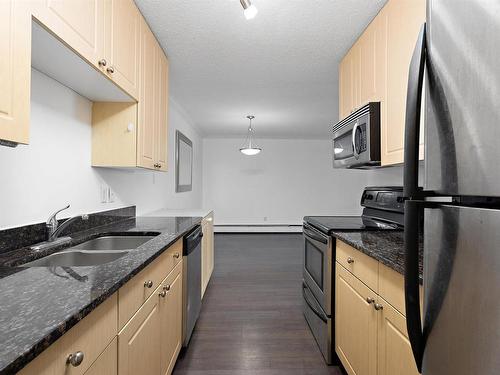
(356, 139)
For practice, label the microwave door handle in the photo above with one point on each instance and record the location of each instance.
(412, 194)
(354, 130)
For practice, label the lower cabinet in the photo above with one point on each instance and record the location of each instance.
(171, 320)
(106, 363)
(356, 324)
(394, 351)
(150, 342)
(370, 333)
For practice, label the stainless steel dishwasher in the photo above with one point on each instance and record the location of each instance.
(191, 283)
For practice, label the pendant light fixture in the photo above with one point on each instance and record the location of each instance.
(249, 149)
(250, 11)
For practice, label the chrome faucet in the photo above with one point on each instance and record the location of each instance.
(53, 227)
(54, 230)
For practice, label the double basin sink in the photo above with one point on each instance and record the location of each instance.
(93, 252)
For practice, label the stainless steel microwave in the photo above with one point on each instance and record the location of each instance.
(356, 139)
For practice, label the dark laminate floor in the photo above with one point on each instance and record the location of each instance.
(251, 320)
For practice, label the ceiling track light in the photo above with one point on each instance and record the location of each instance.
(250, 11)
(249, 149)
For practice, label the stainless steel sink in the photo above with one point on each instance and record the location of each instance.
(113, 243)
(76, 259)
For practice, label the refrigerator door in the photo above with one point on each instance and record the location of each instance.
(462, 97)
(461, 280)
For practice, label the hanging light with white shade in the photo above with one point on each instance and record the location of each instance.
(249, 10)
(249, 148)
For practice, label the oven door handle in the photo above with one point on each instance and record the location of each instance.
(309, 233)
(311, 302)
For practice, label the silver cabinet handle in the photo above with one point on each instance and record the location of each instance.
(369, 300)
(148, 284)
(163, 293)
(350, 260)
(378, 306)
(166, 287)
(102, 62)
(75, 359)
(176, 255)
(110, 70)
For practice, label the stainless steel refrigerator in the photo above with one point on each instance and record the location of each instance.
(458, 57)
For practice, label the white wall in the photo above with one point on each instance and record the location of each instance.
(55, 168)
(286, 181)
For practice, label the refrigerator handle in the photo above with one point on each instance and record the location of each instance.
(412, 123)
(411, 193)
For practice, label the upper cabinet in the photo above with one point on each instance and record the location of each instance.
(15, 72)
(135, 135)
(122, 47)
(105, 33)
(376, 69)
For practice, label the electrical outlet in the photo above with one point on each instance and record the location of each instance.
(265, 218)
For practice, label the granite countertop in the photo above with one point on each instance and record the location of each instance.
(38, 305)
(386, 246)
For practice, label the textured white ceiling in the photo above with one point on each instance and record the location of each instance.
(281, 66)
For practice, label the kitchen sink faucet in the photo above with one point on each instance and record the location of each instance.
(54, 229)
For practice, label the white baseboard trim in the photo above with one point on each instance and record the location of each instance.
(258, 228)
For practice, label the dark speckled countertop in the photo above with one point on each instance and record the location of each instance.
(38, 305)
(386, 246)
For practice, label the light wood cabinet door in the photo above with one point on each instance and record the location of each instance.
(162, 110)
(139, 341)
(355, 324)
(107, 362)
(79, 23)
(122, 46)
(15, 71)
(346, 86)
(171, 320)
(395, 356)
(148, 113)
(404, 19)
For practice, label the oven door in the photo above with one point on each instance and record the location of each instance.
(317, 271)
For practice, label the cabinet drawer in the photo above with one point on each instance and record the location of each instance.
(362, 266)
(90, 336)
(134, 293)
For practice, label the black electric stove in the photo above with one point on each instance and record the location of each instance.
(383, 210)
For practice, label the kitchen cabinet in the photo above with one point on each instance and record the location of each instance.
(395, 356)
(135, 135)
(78, 23)
(106, 363)
(139, 341)
(122, 44)
(15, 71)
(356, 324)
(150, 342)
(91, 336)
(376, 69)
(371, 336)
(207, 251)
(404, 19)
(171, 320)
(105, 33)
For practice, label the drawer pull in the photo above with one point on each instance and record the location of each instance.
(378, 306)
(163, 293)
(176, 255)
(166, 287)
(75, 359)
(369, 300)
(350, 260)
(148, 284)
(102, 62)
(110, 70)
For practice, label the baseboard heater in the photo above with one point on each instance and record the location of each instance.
(258, 228)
